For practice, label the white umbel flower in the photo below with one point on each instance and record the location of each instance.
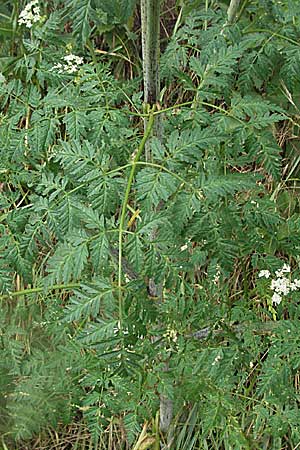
(296, 283)
(73, 59)
(276, 298)
(30, 14)
(285, 269)
(282, 285)
(71, 64)
(264, 274)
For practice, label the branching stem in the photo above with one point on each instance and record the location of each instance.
(124, 206)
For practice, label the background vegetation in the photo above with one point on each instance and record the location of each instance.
(95, 208)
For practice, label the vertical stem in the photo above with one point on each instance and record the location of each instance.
(206, 9)
(232, 10)
(150, 16)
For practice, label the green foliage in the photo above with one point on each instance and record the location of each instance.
(38, 368)
(213, 205)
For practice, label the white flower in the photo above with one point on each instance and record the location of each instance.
(73, 59)
(281, 285)
(127, 279)
(30, 14)
(183, 247)
(285, 269)
(58, 68)
(71, 69)
(171, 334)
(264, 274)
(293, 286)
(276, 298)
(216, 277)
(71, 63)
(296, 283)
(216, 360)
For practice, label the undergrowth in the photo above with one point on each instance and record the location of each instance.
(84, 345)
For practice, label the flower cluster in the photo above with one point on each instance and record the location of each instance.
(281, 285)
(264, 274)
(217, 275)
(70, 65)
(171, 334)
(30, 14)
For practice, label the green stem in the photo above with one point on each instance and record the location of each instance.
(157, 166)
(241, 10)
(265, 30)
(170, 108)
(124, 206)
(39, 289)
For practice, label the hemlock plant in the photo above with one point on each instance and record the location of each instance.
(95, 207)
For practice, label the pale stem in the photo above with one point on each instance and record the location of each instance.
(232, 10)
